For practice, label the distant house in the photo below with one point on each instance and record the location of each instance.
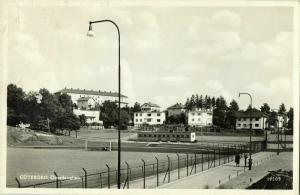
(176, 109)
(149, 106)
(258, 118)
(98, 96)
(86, 103)
(86, 106)
(150, 114)
(200, 117)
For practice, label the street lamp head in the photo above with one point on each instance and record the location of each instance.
(239, 94)
(90, 33)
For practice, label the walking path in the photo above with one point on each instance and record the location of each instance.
(209, 178)
(215, 176)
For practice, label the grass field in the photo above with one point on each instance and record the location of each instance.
(68, 162)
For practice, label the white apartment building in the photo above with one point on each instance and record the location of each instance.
(200, 117)
(98, 96)
(258, 118)
(150, 114)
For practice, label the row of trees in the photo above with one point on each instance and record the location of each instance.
(42, 110)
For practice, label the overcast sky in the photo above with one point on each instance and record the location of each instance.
(167, 53)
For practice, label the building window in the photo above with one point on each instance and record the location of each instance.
(239, 125)
(199, 114)
(178, 135)
(159, 135)
(158, 114)
(140, 120)
(164, 135)
(245, 125)
(256, 125)
(193, 114)
(168, 135)
(148, 119)
(187, 136)
(136, 114)
(192, 119)
(158, 120)
(140, 114)
(136, 120)
(149, 114)
(257, 119)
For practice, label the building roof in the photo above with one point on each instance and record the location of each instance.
(150, 104)
(83, 99)
(176, 106)
(90, 92)
(246, 114)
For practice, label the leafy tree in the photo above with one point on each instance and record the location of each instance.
(208, 103)
(219, 113)
(136, 107)
(82, 120)
(282, 109)
(213, 102)
(177, 119)
(290, 116)
(109, 115)
(15, 105)
(230, 118)
(265, 108)
(233, 106)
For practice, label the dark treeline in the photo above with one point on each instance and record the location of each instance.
(42, 110)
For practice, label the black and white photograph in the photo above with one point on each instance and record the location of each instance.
(113, 96)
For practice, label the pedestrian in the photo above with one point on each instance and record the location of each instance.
(238, 160)
(245, 158)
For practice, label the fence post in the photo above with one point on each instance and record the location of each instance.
(157, 178)
(128, 179)
(219, 156)
(178, 165)
(228, 153)
(207, 159)
(100, 179)
(56, 179)
(19, 184)
(195, 163)
(85, 177)
(144, 173)
(202, 161)
(108, 176)
(214, 158)
(187, 164)
(168, 168)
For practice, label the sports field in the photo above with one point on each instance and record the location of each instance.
(68, 162)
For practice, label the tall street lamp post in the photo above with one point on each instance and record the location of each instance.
(250, 150)
(91, 34)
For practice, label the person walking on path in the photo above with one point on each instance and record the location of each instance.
(237, 159)
(245, 158)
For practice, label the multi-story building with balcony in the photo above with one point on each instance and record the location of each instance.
(150, 114)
